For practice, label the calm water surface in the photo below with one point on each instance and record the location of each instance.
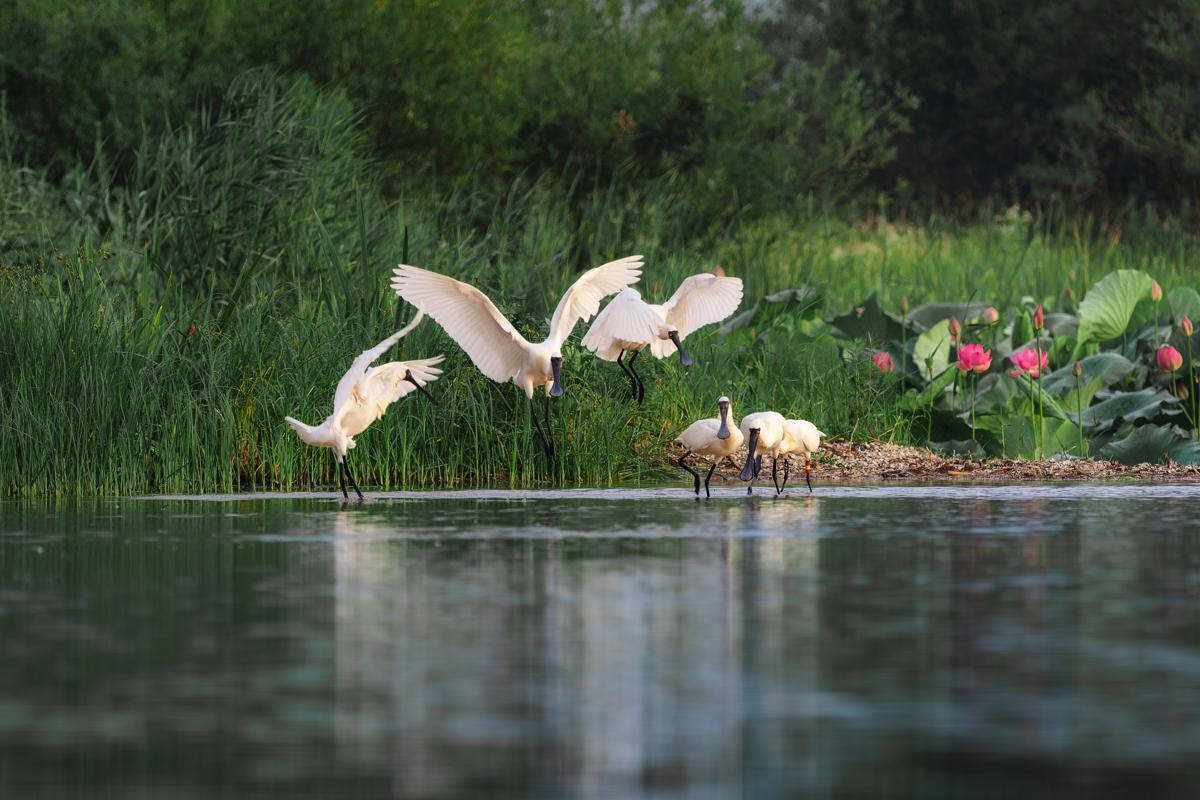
(890, 642)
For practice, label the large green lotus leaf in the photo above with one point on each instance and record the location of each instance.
(995, 394)
(1106, 310)
(1022, 331)
(1062, 324)
(912, 401)
(959, 447)
(869, 322)
(1030, 392)
(1184, 300)
(1186, 452)
(1106, 367)
(801, 303)
(1127, 406)
(926, 315)
(1144, 444)
(931, 352)
(1014, 435)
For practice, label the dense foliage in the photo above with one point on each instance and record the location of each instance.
(200, 203)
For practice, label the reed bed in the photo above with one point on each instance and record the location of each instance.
(162, 315)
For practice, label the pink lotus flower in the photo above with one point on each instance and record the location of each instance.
(883, 361)
(1155, 292)
(973, 358)
(1169, 358)
(1027, 363)
(991, 315)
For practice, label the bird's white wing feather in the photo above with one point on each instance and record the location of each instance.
(702, 300)
(359, 368)
(582, 300)
(468, 316)
(626, 319)
(387, 383)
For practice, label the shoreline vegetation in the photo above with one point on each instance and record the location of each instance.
(186, 261)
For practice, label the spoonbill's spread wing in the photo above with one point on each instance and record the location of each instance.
(387, 382)
(702, 300)
(359, 368)
(626, 320)
(468, 316)
(582, 300)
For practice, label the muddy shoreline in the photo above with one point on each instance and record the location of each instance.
(841, 461)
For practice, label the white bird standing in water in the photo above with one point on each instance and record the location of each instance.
(801, 437)
(765, 434)
(718, 438)
(494, 345)
(630, 323)
(363, 395)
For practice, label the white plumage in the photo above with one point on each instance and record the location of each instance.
(765, 435)
(801, 437)
(490, 340)
(363, 395)
(716, 438)
(630, 323)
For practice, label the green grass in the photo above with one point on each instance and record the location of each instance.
(267, 231)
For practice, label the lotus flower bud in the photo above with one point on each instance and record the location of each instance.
(1181, 390)
(1155, 291)
(904, 304)
(1039, 317)
(1169, 358)
(955, 328)
(990, 315)
(1185, 325)
(1069, 293)
(1077, 369)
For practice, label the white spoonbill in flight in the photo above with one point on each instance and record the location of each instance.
(491, 341)
(718, 438)
(363, 395)
(629, 323)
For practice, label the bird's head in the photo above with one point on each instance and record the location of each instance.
(723, 409)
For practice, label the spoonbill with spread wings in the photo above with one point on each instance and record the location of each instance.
(363, 395)
(629, 323)
(491, 341)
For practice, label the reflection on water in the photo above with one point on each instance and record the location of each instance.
(857, 642)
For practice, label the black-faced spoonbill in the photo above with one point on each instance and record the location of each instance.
(800, 436)
(494, 345)
(363, 395)
(629, 323)
(718, 438)
(765, 434)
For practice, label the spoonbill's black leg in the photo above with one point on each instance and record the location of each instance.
(342, 478)
(544, 435)
(350, 475)
(785, 474)
(695, 475)
(707, 477)
(641, 387)
(808, 473)
(775, 476)
(633, 387)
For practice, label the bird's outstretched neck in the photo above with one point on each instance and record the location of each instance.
(306, 432)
